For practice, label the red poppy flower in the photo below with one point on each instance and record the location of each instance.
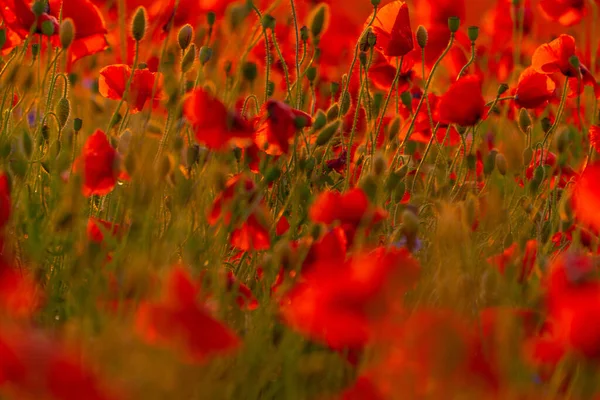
(554, 57)
(252, 235)
(534, 89)
(565, 12)
(20, 296)
(89, 25)
(277, 124)
(392, 27)
(96, 228)
(214, 125)
(238, 185)
(98, 161)
(463, 103)
(340, 305)
(383, 72)
(586, 197)
(179, 320)
(113, 82)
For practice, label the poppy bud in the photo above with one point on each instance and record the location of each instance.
(47, 28)
(394, 128)
(473, 33)
(345, 103)
(362, 57)
(270, 88)
(327, 133)
(422, 36)
(527, 155)
(453, 24)
(320, 120)
(375, 3)
(311, 74)
(333, 112)
(574, 61)
(304, 34)
(334, 88)
(546, 124)
(188, 59)
(205, 54)
(62, 111)
(539, 173)
(502, 89)
(565, 211)
(501, 164)
(184, 37)
(563, 139)
(250, 71)
(406, 99)
(35, 50)
(379, 165)
(67, 33)
(272, 174)
(211, 17)
(77, 124)
(376, 103)
(268, 21)
(490, 162)
(371, 39)
(524, 121)
(138, 26)
(319, 20)
(38, 8)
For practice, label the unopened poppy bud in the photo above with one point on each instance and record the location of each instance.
(320, 120)
(250, 71)
(188, 59)
(563, 139)
(363, 58)
(334, 88)
(38, 8)
(502, 89)
(410, 223)
(304, 34)
(379, 165)
(539, 173)
(574, 61)
(333, 112)
(47, 28)
(62, 111)
(524, 121)
(211, 17)
(371, 39)
(345, 103)
(546, 124)
(501, 164)
(311, 74)
(327, 133)
(394, 128)
(318, 20)
(490, 162)
(67, 33)
(205, 54)
(268, 21)
(406, 99)
(35, 50)
(184, 37)
(272, 174)
(77, 124)
(368, 40)
(377, 103)
(453, 24)
(422, 36)
(473, 33)
(138, 26)
(270, 88)
(565, 211)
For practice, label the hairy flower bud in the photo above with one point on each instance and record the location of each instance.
(66, 33)
(139, 23)
(422, 36)
(185, 35)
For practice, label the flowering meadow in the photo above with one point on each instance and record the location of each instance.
(294, 199)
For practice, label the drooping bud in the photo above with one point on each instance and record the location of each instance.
(319, 19)
(188, 59)
(67, 33)
(185, 35)
(363, 58)
(490, 162)
(473, 33)
(524, 121)
(422, 36)
(333, 112)
(453, 24)
(345, 103)
(320, 120)
(527, 156)
(546, 124)
(138, 25)
(62, 111)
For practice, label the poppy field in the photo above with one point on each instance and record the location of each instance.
(299, 199)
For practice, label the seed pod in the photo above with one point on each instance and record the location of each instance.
(327, 133)
(138, 25)
(249, 71)
(473, 33)
(184, 37)
(268, 21)
(62, 111)
(490, 162)
(67, 33)
(453, 24)
(47, 28)
(394, 128)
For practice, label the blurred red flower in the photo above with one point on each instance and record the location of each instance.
(463, 103)
(534, 89)
(113, 83)
(586, 196)
(555, 57)
(98, 161)
(277, 124)
(392, 27)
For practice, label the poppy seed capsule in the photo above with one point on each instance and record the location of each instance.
(453, 24)
(319, 19)
(38, 8)
(473, 33)
(138, 26)
(184, 37)
(63, 110)
(188, 59)
(422, 36)
(67, 33)
(268, 21)
(524, 121)
(574, 61)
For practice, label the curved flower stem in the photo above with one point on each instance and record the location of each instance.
(244, 108)
(295, 18)
(267, 50)
(469, 63)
